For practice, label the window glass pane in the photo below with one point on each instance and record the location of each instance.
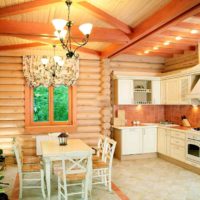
(41, 104)
(61, 103)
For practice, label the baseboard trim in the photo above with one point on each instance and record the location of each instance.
(138, 156)
(180, 163)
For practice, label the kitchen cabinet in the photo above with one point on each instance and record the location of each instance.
(123, 90)
(172, 91)
(132, 141)
(156, 92)
(149, 140)
(185, 86)
(175, 90)
(177, 145)
(136, 91)
(164, 141)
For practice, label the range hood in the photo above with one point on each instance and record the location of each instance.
(195, 94)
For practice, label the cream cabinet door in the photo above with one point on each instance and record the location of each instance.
(149, 140)
(163, 91)
(172, 91)
(125, 92)
(156, 96)
(185, 86)
(162, 139)
(132, 141)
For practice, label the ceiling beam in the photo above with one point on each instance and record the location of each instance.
(47, 30)
(165, 55)
(25, 7)
(102, 15)
(51, 42)
(21, 46)
(174, 12)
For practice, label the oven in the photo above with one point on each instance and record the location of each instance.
(193, 150)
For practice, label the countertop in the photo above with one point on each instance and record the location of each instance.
(157, 125)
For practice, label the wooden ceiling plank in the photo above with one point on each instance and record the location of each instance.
(25, 7)
(102, 15)
(165, 55)
(47, 30)
(172, 13)
(21, 46)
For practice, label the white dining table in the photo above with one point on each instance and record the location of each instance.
(52, 151)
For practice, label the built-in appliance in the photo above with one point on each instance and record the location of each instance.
(193, 146)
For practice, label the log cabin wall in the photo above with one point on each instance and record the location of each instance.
(182, 61)
(94, 110)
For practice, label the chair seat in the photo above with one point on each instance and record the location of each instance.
(99, 165)
(76, 177)
(31, 167)
(96, 158)
(31, 159)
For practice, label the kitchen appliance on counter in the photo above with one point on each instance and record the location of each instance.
(193, 146)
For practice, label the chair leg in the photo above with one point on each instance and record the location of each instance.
(20, 185)
(86, 190)
(42, 184)
(109, 182)
(59, 189)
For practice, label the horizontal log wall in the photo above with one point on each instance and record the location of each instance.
(182, 61)
(94, 110)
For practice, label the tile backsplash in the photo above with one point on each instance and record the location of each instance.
(143, 113)
(157, 113)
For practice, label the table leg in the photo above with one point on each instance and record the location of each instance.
(48, 177)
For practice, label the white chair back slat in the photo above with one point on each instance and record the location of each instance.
(42, 138)
(18, 155)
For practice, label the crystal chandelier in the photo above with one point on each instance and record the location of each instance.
(64, 35)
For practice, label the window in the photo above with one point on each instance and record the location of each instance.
(50, 109)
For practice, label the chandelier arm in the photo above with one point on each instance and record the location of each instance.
(84, 42)
(80, 46)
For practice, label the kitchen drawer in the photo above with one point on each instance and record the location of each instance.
(177, 134)
(178, 152)
(178, 142)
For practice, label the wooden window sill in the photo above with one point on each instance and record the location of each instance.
(49, 129)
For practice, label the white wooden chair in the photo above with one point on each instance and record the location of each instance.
(102, 169)
(100, 150)
(76, 171)
(28, 173)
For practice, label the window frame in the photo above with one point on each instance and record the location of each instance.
(51, 125)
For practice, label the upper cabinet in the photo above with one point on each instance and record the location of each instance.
(123, 93)
(136, 91)
(175, 90)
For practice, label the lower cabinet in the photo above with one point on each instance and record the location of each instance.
(171, 143)
(164, 141)
(131, 141)
(149, 140)
(135, 141)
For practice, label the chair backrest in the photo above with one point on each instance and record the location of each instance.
(109, 151)
(18, 155)
(101, 148)
(76, 163)
(56, 134)
(41, 138)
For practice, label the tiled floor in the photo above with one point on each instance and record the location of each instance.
(147, 179)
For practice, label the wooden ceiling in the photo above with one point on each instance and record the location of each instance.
(120, 26)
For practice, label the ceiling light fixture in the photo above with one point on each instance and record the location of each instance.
(179, 38)
(156, 48)
(194, 31)
(166, 43)
(146, 52)
(65, 35)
